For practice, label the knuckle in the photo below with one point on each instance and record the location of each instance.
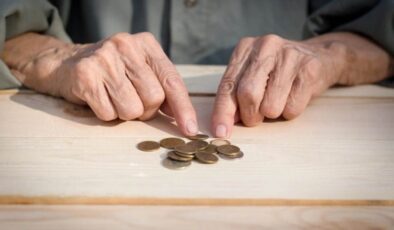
(226, 87)
(119, 37)
(171, 81)
(107, 117)
(290, 52)
(132, 113)
(247, 93)
(271, 110)
(156, 98)
(146, 36)
(106, 114)
(271, 38)
(291, 111)
(119, 41)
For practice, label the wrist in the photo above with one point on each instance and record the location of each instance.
(34, 58)
(355, 59)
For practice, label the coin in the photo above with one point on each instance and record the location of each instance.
(184, 154)
(171, 142)
(148, 146)
(199, 144)
(206, 158)
(174, 156)
(198, 137)
(175, 165)
(238, 155)
(219, 142)
(209, 149)
(186, 149)
(228, 149)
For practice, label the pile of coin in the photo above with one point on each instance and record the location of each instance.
(182, 153)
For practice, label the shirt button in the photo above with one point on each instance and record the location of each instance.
(190, 3)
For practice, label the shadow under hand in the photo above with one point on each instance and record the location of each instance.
(83, 114)
(60, 108)
(166, 124)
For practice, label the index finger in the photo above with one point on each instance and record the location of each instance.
(225, 106)
(175, 91)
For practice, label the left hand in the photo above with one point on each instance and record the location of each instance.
(270, 76)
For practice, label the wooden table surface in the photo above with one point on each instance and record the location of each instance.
(333, 166)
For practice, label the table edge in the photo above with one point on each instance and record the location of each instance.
(80, 200)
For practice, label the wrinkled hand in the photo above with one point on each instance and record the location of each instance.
(125, 76)
(270, 76)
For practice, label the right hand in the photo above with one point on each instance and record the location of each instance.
(125, 76)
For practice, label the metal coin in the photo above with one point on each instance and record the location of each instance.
(186, 149)
(174, 156)
(238, 155)
(228, 149)
(148, 146)
(219, 142)
(171, 142)
(184, 155)
(206, 158)
(175, 165)
(209, 149)
(198, 137)
(199, 144)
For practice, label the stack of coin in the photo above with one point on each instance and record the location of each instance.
(182, 153)
(230, 151)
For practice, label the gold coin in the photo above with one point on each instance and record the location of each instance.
(198, 137)
(175, 165)
(148, 146)
(206, 158)
(209, 149)
(228, 149)
(238, 155)
(219, 142)
(184, 155)
(186, 149)
(199, 144)
(174, 156)
(171, 142)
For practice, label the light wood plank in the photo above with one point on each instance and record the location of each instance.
(204, 80)
(339, 149)
(191, 217)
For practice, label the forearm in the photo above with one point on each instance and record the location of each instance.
(358, 60)
(24, 56)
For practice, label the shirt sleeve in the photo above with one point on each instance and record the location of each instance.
(370, 18)
(373, 19)
(21, 16)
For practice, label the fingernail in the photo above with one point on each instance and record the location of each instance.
(192, 127)
(221, 131)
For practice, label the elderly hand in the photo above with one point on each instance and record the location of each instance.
(125, 76)
(270, 76)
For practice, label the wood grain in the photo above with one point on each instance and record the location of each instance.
(192, 217)
(340, 150)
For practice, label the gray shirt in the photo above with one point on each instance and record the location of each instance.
(195, 31)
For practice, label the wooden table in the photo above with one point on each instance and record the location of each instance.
(333, 166)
